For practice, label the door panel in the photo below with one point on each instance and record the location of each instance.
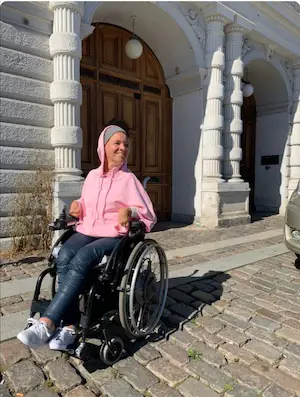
(115, 86)
(130, 111)
(247, 166)
(109, 50)
(88, 123)
(152, 145)
(109, 105)
(89, 51)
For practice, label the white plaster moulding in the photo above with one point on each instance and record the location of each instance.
(66, 91)
(77, 6)
(65, 43)
(70, 136)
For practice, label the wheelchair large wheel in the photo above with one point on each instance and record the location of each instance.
(144, 289)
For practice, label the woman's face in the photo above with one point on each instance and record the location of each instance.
(116, 149)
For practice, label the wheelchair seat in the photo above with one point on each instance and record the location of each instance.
(103, 262)
(136, 229)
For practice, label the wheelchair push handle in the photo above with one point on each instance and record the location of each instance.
(151, 179)
(136, 226)
(63, 222)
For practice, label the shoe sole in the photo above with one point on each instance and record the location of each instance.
(27, 343)
(64, 348)
(67, 350)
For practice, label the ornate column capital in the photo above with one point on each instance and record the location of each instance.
(216, 18)
(77, 6)
(234, 28)
(218, 12)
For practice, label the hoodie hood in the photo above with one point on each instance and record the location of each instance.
(110, 130)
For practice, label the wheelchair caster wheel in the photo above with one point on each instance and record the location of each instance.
(111, 353)
(80, 351)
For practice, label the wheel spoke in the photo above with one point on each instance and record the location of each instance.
(146, 273)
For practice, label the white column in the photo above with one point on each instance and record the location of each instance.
(65, 90)
(233, 101)
(213, 120)
(295, 136)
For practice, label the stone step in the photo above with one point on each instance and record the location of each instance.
(17, 287)
(179, 276)
(216, 245)
(12, 324)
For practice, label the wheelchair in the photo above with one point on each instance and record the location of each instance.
(123, 298)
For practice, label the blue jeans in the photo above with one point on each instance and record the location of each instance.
(77, 256)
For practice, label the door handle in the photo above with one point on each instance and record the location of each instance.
(152, 179)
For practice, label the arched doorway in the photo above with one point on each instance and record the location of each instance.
(265, 137)
(115, 86)
(248, 146)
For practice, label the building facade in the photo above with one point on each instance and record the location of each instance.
(216, 155)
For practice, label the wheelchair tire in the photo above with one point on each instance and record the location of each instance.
(138, 288)
(53, 286)
(109, 355)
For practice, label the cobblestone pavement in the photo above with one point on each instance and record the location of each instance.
(229, 335)
(170, 238)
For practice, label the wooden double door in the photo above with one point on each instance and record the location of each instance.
(115, 86)
(248, 146)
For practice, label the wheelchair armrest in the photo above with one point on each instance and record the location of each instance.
(136, 227)
(62, 224)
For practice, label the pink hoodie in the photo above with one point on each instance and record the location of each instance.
(104, 194)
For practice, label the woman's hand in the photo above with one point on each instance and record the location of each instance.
(124, 215)
(75, 209)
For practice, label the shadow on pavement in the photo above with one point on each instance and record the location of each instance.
(162, 226)
(187, 298)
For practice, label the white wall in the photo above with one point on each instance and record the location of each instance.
(26, 109)
(271, 138)
(187, 117)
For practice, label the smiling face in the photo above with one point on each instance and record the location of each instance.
(116, 150)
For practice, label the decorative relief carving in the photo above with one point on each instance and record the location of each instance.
(270, 51)
(195, 20)
(288, 69)
(246, 46)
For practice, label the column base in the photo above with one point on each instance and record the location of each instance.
(64, 193)
(224, 204)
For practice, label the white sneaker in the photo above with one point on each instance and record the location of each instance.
(64, 337)
(35, 336)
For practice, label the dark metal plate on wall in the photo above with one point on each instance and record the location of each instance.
(270, 160)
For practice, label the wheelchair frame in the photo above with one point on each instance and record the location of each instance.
(113, 276)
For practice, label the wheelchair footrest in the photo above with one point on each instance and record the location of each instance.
(39, 306)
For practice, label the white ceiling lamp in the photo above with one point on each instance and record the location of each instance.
(247, 88)
(133, 47)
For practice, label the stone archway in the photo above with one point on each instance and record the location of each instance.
(270, 131)
(100, 11)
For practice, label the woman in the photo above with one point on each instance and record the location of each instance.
(111, 195)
